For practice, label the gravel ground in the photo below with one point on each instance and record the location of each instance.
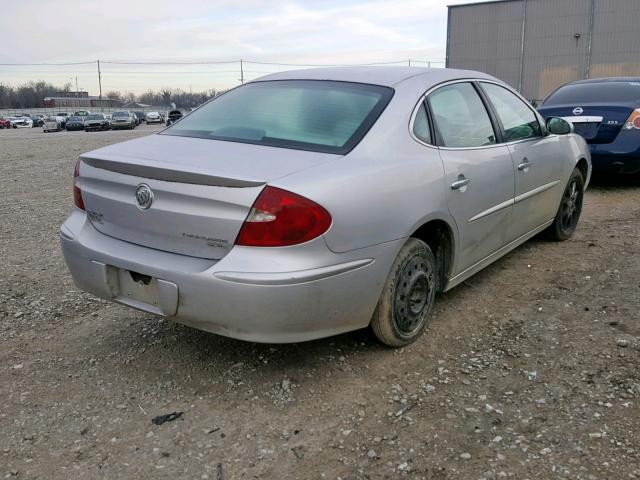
(529, 370)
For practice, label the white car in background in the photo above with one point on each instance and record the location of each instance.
(153, 117)
(21, 122)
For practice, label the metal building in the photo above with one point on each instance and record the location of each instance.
(538, 45)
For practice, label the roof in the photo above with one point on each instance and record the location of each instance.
(90, 97)
(481, 3)
(607, 80)
(383, 75)
(136, 105)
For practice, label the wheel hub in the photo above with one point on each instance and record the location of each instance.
(570, 205)
(412, 295)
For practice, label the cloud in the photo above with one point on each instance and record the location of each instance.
(194, 30)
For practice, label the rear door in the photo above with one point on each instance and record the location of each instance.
(478, 171)
(537, 165)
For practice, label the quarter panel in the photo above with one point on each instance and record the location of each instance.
(378, 193)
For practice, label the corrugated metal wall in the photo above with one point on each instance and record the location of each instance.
(616, 38)
(564, 40)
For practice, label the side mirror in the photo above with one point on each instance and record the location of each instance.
(559, 126)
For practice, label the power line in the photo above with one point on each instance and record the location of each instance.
(221, 62)
(45, 64)
(176, 72)
(327, 64)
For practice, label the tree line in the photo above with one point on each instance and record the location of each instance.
(32, 95)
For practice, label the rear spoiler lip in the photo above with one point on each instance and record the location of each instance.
(147, 169)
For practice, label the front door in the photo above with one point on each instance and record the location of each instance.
(478, 172)
(537, 168)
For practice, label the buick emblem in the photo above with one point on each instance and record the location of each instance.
(578, 111)
(144, 196)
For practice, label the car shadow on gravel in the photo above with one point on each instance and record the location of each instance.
(152, 346)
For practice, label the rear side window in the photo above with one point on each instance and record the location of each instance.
(421, 125)
(323, 116)
(600, 92)
(460, 117)
(518, 120)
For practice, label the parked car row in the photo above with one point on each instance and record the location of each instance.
(88, 121)
(59, 121)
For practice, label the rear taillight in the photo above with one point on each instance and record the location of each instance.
(633, 122)
(280, 218)
(77, 193)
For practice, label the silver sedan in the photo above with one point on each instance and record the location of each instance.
(309, 203)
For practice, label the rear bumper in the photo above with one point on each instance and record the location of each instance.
(620, 156)
(251, 294)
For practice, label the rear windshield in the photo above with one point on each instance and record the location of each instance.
(314, 115)
(95, 116)
(120, 114)
(75, 119)
(595, 93)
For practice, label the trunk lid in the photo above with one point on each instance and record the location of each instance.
(202, 190)
(597, 123)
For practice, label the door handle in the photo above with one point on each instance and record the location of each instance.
(460, 183)
(526, 164)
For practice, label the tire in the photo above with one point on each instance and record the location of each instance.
(408, 296)
(568, 215)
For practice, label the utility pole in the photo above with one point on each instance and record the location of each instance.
(100, 85)
(241, 72)
(77, 89)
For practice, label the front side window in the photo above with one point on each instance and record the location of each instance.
(322, 116)
(518, 120)
(460, 117)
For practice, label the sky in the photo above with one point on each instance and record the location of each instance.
(288, 31)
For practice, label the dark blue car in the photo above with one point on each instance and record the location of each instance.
(606, 112)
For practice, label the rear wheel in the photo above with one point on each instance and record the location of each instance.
(566, 221)
(406, 302)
